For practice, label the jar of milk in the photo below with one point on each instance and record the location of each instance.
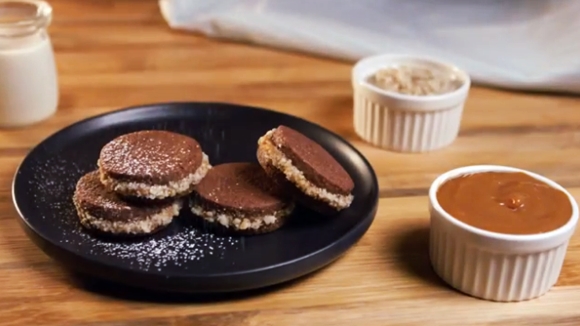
(28, 78)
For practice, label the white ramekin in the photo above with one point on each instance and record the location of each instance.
(406, 123)
(495, 266)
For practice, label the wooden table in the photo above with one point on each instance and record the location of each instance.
(113, 54)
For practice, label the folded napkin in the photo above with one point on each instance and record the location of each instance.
(517, 44)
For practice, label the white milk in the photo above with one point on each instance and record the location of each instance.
(28, 78)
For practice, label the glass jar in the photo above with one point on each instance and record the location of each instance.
(28, 77)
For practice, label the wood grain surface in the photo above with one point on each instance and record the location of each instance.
(113, 54)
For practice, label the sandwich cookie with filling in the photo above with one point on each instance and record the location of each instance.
(152, 164)
(240, 198)
(105, 212)
(317, 180)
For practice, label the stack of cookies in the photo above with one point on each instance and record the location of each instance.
(143, 178)
(140, 183)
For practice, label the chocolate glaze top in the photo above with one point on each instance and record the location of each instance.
(151, 156)
(92, 197)
(317, 165)
(240, 188)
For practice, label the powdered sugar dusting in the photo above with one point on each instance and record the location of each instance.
(178, 249)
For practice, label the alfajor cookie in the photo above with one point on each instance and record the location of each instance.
(316, 178)
(105, 212)
(152, 164)
(240, 198)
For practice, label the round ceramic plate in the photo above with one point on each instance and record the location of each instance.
(184, 258)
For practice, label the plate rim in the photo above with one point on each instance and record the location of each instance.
(191, 274)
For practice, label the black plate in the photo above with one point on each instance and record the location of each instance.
(183, 258)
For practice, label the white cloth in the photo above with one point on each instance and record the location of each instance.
(519, 44)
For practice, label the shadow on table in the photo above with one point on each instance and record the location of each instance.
(412, 251)
(124, 292)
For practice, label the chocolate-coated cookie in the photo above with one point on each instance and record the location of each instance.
(241, 198)
(101, 210)
(318, 180)
(152, 164)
